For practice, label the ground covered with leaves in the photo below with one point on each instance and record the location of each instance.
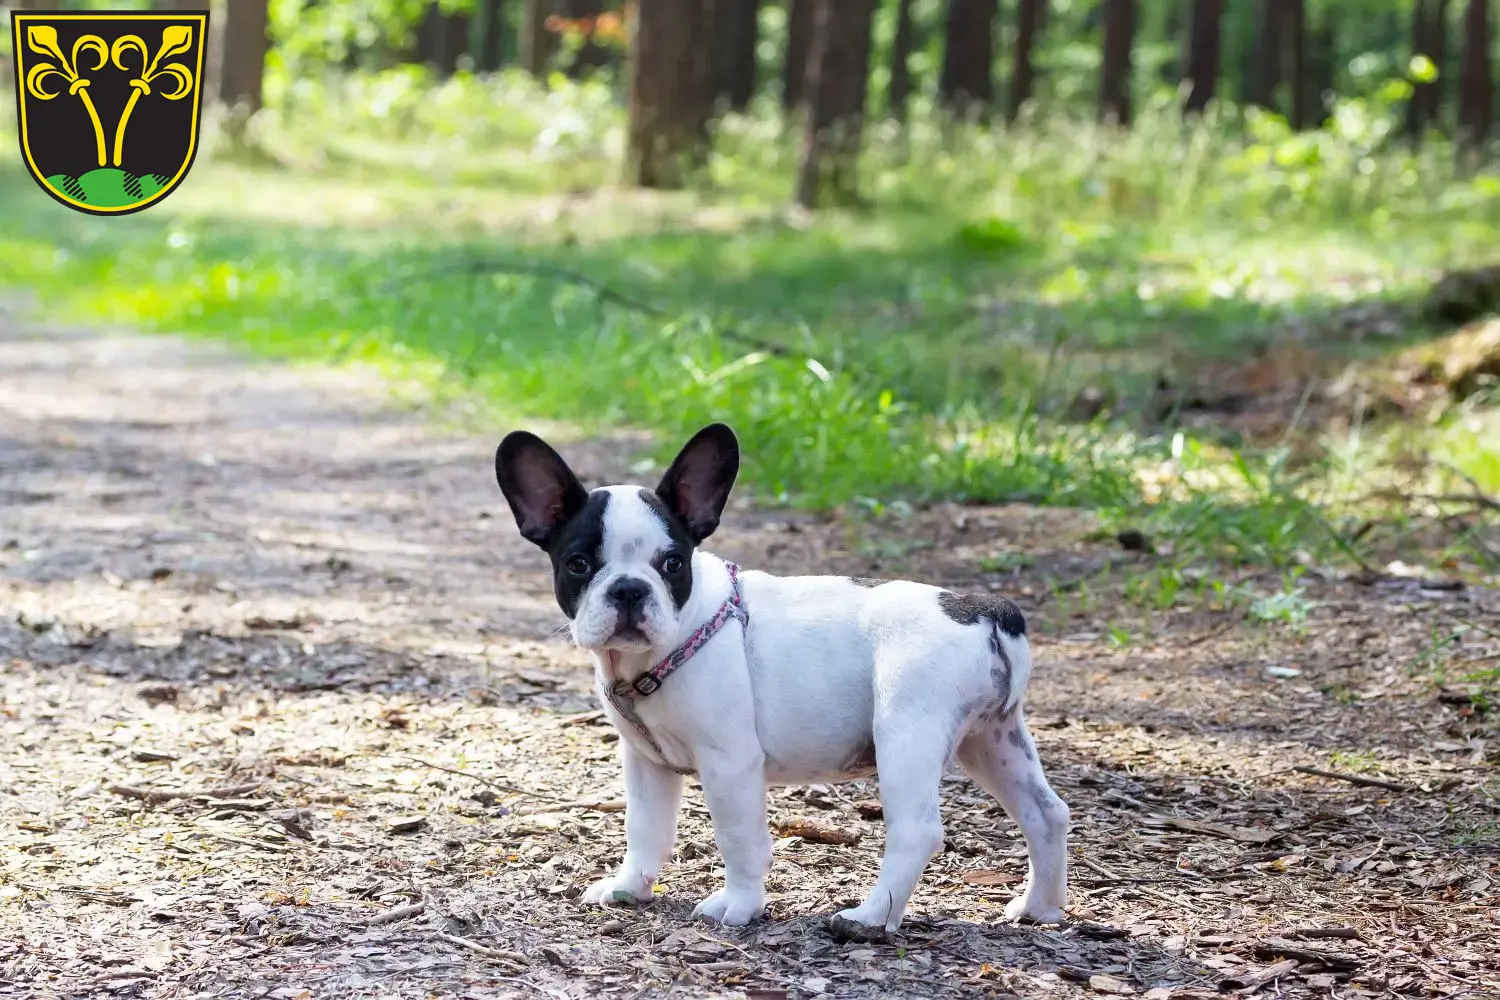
(283, 714)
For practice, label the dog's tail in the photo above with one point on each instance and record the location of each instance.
(1010, 664)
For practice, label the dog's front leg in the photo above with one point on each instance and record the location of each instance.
(652, 795)
(735, 790)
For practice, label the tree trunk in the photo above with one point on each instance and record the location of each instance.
(836, 84)
(1029, 17)
(1326, 73)
(429, 37)
(735, 34)
(591, 56)
(1322, 69)
(244, 59)
(1429, 31)
(1172, 67)
(1416, 108)
(1476, 85)
(671, 91)
(1114, 73)
(1269, 34)
(486, 28)
(441, 39)
(1295, 24)
(967, 84)
(1204, 54)
(536, 40)
(1436, 92)
(799, 43)
(901, 49)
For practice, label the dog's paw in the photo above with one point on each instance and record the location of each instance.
(731, 908)
(869, 922)
(1024, 909)
(619, 890)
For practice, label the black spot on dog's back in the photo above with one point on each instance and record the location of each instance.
(970, 609)
(1004, 620)
(866, 582)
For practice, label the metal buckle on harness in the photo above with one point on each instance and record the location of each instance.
(645, 684)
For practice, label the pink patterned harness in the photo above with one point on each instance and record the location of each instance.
(622, 692)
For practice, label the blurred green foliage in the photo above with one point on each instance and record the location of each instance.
(933, 346)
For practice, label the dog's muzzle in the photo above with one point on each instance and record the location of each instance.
(630, 598)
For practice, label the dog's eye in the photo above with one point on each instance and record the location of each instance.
(579, 565)
(671, 564)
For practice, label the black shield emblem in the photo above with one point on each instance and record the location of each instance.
(109, 104)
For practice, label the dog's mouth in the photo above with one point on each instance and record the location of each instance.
(628, 638)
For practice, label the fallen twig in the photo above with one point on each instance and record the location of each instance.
(509, 958)
(1482, 501)
(499, 786)
(1244, 835)
(395, 913)
(795, 963)
(814, 832)
(1489, 502)
(259, 845)
(1281, 948)
(1355, 779)
(581, 719)
(152, 795)
(1482, 629)
(1312, 933)
(1145, 889)
(1253, 980)
(125, 973)
(596, 805)
(525, 269)
(601, 291)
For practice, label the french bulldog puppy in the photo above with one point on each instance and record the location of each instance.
(748, 680)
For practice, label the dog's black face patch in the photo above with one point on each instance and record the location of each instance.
(967, 609)
(577, 552)
(677, 576)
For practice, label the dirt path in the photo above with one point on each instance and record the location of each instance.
(286, 606)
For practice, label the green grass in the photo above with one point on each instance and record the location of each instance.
(929, 347)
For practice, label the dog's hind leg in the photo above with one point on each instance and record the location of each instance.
(1002, 759)
(910, 763)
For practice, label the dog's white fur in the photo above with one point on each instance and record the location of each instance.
(826, 669)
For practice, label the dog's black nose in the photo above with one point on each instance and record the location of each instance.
(628, 595)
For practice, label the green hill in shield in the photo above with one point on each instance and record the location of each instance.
(108, 187)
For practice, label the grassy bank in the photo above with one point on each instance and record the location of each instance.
(1019, 315)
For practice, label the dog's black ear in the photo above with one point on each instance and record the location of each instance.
(697, 485)
(540, 488)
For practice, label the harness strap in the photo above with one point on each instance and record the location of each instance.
(622, 693)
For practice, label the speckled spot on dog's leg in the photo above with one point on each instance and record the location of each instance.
(1018, 739)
